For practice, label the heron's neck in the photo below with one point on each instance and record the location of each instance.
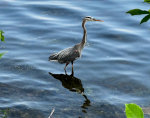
(84, 34)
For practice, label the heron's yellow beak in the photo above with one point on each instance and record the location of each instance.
(99, 20)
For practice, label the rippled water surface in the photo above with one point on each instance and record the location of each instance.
(114, 68)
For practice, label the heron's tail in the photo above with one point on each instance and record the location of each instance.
(53, 57)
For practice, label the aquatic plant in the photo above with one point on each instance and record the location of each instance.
(50, 116)
(4, 113)
(133, 111)
(141, 12)
(2, 38)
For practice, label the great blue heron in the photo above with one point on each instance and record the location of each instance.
(70, 54)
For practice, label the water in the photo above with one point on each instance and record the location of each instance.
(113, 69)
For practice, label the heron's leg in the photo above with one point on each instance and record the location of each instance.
(72, 68)
(65, 67)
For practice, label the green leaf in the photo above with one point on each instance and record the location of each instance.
(145, 19)
(2, 38)
(133, 111)
(0, 35)
(1, 54)
(137, 12)
(148, 1)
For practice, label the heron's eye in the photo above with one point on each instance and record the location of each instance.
(88, 17)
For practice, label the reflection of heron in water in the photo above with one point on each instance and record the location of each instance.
(73, 84)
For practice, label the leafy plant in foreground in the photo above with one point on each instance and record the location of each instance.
(1, 54)
(141, 12)
(2, 38)
(133, 111)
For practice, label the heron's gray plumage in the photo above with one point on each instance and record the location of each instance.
(70, 54)
(67, 55)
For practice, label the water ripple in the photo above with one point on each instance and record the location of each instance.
(113, 68)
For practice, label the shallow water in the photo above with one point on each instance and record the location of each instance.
(113, 69)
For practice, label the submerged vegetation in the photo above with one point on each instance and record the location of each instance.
(141, 12)
(131, 110)
(4, 113)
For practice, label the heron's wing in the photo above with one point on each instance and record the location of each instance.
(69, 54)
(53, 56)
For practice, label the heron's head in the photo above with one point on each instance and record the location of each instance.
(89, 18)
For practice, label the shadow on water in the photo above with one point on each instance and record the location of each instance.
(74, 85)
(102, 109)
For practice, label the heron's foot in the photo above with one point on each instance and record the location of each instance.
(72, 74)
(65, 68)
(65, 71)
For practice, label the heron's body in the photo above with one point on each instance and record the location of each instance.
(71, 54)
(67, 55)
